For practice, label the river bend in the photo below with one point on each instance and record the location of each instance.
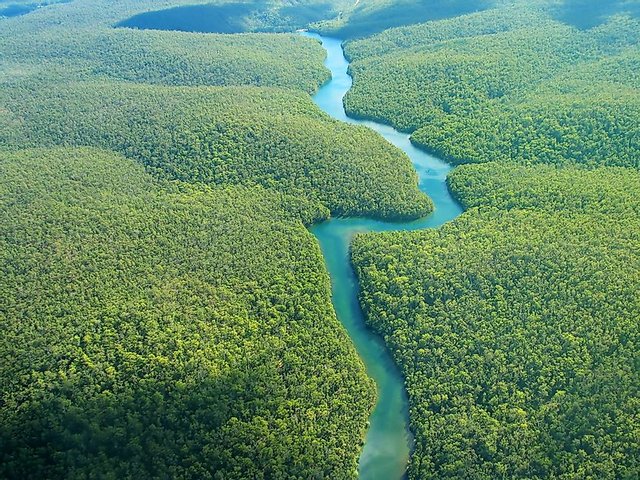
(388, 442)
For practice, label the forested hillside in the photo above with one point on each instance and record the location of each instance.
(516, 325)
(273, 138)
(509, 83)
(165, 313)
(154, 329)
(611, 191)
(168, 58)
(78, 40)
(245, 135)
(366, 17)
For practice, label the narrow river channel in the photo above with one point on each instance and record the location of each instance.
(386, 450)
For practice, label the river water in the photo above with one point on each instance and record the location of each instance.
(388, 442)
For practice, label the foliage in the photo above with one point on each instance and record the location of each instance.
(78, 39)
(516, 324)
(274, 138)
(517, 332)
(478, 24)
(589, 125)
(170, 317)
(153, 329)
(500, 86)
(611, 191)
(372, 16)
(166, 58)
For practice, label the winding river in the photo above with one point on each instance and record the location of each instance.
(388, 442)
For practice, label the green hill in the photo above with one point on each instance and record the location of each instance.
(516, 325)
(509, 83)
(269, 137)
(154, 329)
(611, 191)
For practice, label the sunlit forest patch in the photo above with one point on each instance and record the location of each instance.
(506, 84)
(516, 325)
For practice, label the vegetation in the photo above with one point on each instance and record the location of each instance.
(166, 58)
(501, 85)
(372, 16)
(165, 313)
(610, 191)
(58, 90)
(277, 139)
(153, 329)
(516, 325)
(244, 16)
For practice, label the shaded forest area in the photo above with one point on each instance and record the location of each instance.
(161, 329)
(256, 16)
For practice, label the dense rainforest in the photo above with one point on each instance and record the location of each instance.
(239, 135)
(608, 190)
(516, 325)
(169, 58)
(156, 329)
(165, 313)
(511, 83)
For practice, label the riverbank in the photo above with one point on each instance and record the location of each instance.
(388, 442)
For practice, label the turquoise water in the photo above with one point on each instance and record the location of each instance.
(388, 443)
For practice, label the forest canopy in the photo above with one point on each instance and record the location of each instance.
(247, 135)
(165, 313)
(510, 83)
(154, 329)
(516, 325)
